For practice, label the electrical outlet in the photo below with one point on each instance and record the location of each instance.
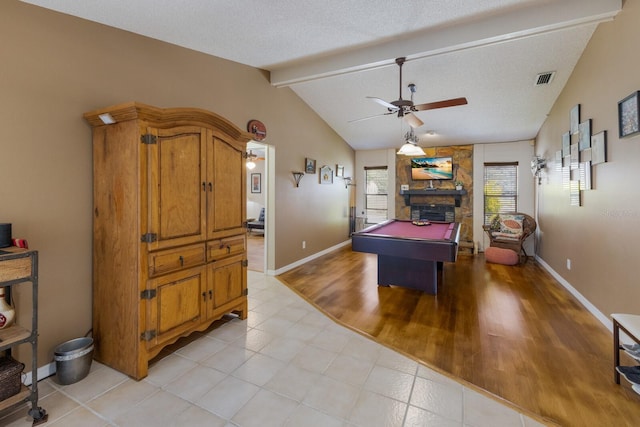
(568, 264)
(304, 244)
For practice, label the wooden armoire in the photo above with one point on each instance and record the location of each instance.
(169, 228)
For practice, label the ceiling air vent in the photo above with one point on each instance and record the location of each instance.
(544, 78)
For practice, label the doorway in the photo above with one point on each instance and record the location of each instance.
(257, 172)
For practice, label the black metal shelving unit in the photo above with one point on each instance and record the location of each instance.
(17, 267)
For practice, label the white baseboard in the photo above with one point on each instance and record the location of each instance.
(43, 372)
(585, 302)
(307, 259)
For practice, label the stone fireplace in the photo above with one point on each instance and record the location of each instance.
(433, 212)
(440, 201)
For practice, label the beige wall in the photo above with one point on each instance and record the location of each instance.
(601, 236)
(55, 68)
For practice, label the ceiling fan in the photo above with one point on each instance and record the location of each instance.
(405, 108)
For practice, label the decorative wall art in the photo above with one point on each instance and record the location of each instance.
(574, 191)
(584, 132)
(566, 144)
(256, 183)
(575, 119)
(599, 147)
(309, 165)
(581, 149)
(575, 159)
(585, 176)
(628, 122)
(326, 175)
(566, 174)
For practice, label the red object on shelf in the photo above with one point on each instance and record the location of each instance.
(20, 243)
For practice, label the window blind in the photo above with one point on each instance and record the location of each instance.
(500, 189)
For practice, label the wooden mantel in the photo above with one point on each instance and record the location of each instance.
(457, 194)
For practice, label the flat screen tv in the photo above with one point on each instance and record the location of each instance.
(425, 168)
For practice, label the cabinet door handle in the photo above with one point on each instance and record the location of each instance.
(210, 187)
(181, 261)
(228, 249)
(210, 294)
(204, 296)
(204, 186)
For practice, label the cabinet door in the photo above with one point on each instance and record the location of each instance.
(179, 304)
(226, 200)
(177, 184)
(227, 278)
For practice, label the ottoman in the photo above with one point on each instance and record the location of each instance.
(501, 256)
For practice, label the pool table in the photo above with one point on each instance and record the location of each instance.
(410, 255)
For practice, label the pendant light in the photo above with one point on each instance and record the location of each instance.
(410, 147)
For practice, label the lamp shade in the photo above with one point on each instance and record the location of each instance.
(411, 149)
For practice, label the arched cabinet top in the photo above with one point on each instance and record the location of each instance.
(166, 117)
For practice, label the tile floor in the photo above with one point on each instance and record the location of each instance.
(286, 365)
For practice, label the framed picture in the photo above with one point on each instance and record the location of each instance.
(628, 115)
(585, 176)
(326, 175)
(585, 135)
(566, 144)
(256, 183)
(340, 171)
(599, 148)
(309, 165)
(574, 157)
(575, 119)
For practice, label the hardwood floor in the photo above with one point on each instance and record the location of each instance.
(512, 331)
(255, 251)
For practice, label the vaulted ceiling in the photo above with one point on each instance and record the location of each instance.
(335, 53)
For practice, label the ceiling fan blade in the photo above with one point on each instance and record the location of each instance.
(383, 103)
(412, 120)
(440, 104)
(371, 117)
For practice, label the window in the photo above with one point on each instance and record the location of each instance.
(500, 189)
(375, 199)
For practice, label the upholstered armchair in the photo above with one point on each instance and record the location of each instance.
(510, 231)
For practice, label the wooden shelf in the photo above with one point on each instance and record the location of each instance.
(457, 194)
(22, 395)
(12, 335)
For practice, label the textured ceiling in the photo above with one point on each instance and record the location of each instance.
(334, 54)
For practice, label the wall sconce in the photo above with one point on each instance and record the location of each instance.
(537, 164)
(297, 176)
(251, 160)
(347, 181)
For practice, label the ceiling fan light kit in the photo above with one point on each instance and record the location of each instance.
(410, 147)
(405, 108)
